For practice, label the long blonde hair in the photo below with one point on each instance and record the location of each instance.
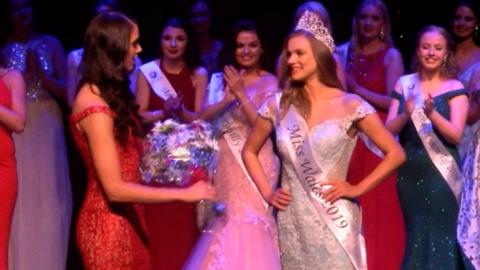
(294, 91)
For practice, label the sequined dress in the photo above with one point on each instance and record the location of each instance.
(429, 206)
(8, 175)
(381, 214)
(306, 242)
(41, 221)
(110, 235)
(245, 237)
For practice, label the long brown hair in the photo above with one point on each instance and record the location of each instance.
(106, 46)
(294, 91)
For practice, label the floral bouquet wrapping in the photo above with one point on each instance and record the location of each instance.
(179, 154)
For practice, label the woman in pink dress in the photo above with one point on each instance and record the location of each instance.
(373, 66)
(12, 119)
(106, 128)
(245, 236)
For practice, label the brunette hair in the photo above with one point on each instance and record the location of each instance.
(106, 46)
(293, 91)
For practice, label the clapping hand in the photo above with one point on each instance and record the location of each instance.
(428, 106)
(173, 106)
(234, 80)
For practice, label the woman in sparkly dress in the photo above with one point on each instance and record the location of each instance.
(41, 221)
(373, 66)
(106, 128)
(429, 112)
(12, 119)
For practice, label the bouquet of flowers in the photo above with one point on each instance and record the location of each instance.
(175, 154)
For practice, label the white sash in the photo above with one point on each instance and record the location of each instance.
(338, 216)
(441, 158)
(158, 81)
(231, 133)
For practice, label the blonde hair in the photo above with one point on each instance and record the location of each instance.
(387, 29)
(449, 68)
(293, 91)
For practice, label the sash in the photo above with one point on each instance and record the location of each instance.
(231, 133)
(441, 158)
(158, 81)
(338, 216)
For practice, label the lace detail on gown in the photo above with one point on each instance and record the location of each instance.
(306, 242)
(246, 236)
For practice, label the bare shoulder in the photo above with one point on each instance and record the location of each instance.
(88, 96)
(352, 100)
(200, 72)
(454, 84)
(393, 54)
(52, 41)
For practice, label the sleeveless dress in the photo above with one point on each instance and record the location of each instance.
(172, 226)
(110, 235)
(41, 220)
(468, 228)
(8, 176)
(245, 237)
(429, 206)
(381, 214)
(306, 241)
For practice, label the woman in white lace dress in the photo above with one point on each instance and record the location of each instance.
(316, 126)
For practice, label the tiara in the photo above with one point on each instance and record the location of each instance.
(313, 24)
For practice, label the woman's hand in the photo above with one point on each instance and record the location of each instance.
(200, 191)
(234, 80)
(173, 106)
(410, 105)
(280, 199)
(428, 106)
(334, 190)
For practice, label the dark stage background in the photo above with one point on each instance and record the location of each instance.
(68, 19)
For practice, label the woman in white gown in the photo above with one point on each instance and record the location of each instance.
(466, 29)
(316, 126)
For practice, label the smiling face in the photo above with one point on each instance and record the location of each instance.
(300, 59)
(432, 51)
(134, 48)
(370, 22)
(464, 22)
(248, 49)
(173, 42)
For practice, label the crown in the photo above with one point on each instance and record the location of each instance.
(313, 24)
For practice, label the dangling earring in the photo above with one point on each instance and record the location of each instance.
(382, 34)
(444, 61)
(475, 32)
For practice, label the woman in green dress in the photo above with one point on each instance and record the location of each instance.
(428, 112)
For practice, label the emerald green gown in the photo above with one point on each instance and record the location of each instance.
(428, 204)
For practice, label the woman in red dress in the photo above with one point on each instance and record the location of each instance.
(373, 66)
(106, 128)
(12, 119)
(172, 226)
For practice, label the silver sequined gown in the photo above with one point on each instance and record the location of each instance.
(41, 221)
(306, 242)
